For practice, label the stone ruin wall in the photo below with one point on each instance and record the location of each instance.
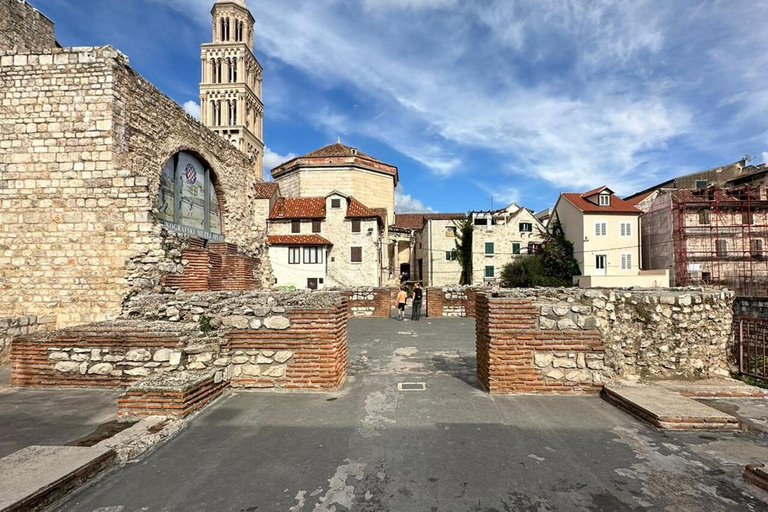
(248, 339)
(23, 28)
(12, 328)
(368, 302)
(574, 340)
(83, 140)
(451, 301)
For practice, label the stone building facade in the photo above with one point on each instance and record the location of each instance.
(332, 241)
(84, 141)
(351, 198)
(24, 29)
(500, 237)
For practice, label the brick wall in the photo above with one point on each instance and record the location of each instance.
(368, 302)
(515, 356)
(12, 328)
(215, 267)
(311, 354)
(541, 340)
(23, 28)
(451, 302)
(107, 355)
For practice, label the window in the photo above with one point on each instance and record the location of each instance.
(295, 226)
(526, 227)
(515, 248)
(756, 248)
(335, 203)
(450, 255)
(316, 226)
(626, 262)
(601, 229)
(312, 283)
(450, 232)
(489, 248)
(534, 248)
(481, 221)
(490, 272)
(704, 217)
(357, 254)
(702, 183)
(747, 218)
(604, 200)
(294, 255)
(313, 255)
(626, 229)
(187, 201)
(721, 248)
(356, 225)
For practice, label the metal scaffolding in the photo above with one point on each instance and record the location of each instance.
(720, 237)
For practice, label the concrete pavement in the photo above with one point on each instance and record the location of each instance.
(451, 447)
(51, 417)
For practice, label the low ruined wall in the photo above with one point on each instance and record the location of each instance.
(368, 302)
(574, 340)
(251, 339)
(12, 328)
(457, 301)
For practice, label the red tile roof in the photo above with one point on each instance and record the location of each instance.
(334, 156)
(265, 190)
(636, 200)
(357, 210)
(297, 240)
(416, 220)
(289, 208)
(617, 205)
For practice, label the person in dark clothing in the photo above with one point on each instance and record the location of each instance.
(416, 307)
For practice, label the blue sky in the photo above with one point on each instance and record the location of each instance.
(515, 99)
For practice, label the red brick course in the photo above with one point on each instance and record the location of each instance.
(507, 340)
(381, 302)
(30, 366)
(138, 403)
(215, 267)
(436, 302)
(318, 340)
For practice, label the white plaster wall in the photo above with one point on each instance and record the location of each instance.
(439, 271)
(295, 274)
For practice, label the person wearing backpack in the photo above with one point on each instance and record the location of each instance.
(418, 294)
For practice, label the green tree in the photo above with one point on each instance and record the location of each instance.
(464, 231)
(553, 266)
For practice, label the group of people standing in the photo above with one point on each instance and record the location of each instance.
(402, 299)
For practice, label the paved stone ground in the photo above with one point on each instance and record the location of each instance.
(5, 376)
(752, 411)
(372, 448)
(52, 416)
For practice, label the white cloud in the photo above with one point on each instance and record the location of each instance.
(272, 160)
(577, 93)
(405, 203)
(192, 108)
(765, 157)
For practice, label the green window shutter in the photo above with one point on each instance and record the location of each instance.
(489, 248)
(515, 248)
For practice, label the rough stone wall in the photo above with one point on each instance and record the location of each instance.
(574, 340)
(23, 28)
(83, 140)
(12, 328)
(750, 307)
(439, 270)
(254, 339)
(368, 302)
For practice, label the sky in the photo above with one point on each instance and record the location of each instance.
(479, 103)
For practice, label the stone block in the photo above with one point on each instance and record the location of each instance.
(162, 356)
(100, 369)
(277, 323)
(66, 367)
(542, 360)
(283, 356)
(235, 322)
(140, 355)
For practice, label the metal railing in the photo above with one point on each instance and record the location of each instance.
(753, 333)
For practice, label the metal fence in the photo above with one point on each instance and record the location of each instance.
(753, 333)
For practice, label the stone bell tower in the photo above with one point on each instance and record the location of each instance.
(230, 89)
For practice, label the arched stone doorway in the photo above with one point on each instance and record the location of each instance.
(188, 201)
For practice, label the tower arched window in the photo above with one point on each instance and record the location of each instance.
(187, 201)
(234, 69)
(229, 27)
(222, 30)
(233, 121)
